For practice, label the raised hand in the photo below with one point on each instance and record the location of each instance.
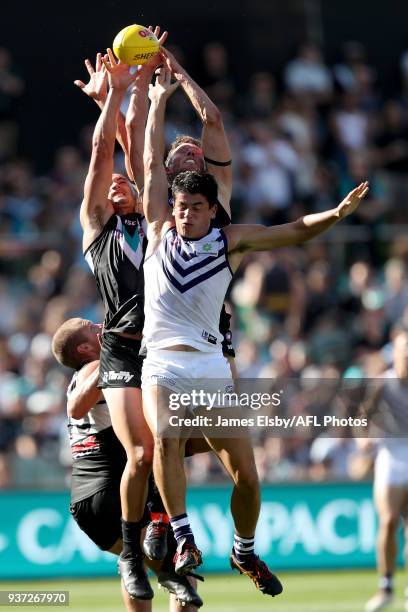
(150, 66)
(96, 88)
(162, 39)
(171, 61)
(352, 200)
(119, 75)
(163, 87)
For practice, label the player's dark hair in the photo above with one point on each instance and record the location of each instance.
(196, 182)
(66, 340)
(181, 139)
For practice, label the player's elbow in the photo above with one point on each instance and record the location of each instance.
(211, 116)
(131, 122)
(301, 232)
(151, 161)
(76, 410)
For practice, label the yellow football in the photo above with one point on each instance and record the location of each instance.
(135, 44)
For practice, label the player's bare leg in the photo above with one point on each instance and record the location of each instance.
(125, 408)
(389, 503)
(237, 456)
(168, 462)
(168, 468)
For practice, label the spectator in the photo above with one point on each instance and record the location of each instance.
(307, 74)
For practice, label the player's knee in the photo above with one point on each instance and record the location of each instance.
(140, 457)
(389, 522)
(166, 448)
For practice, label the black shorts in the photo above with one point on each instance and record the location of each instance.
(99, 517)
(120, 363)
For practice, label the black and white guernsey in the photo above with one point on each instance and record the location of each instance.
(116, 259)
(98, 458)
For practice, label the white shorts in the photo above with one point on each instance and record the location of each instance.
(184, 372)
(391, 466)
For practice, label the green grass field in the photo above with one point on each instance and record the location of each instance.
(303, 592)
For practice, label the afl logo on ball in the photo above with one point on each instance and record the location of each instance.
(143, 33)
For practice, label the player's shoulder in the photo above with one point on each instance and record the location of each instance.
(233, 230)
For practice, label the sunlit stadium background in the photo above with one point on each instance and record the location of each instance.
(314, 95)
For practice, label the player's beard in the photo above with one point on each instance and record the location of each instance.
(184, 167)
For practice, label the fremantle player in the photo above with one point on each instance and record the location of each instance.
(211, 153)
(388, 406)
(187, 272)
(98, 460)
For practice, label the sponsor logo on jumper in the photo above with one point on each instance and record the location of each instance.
(111, 375)
(207, 247)
(209, 337)
(133, 223)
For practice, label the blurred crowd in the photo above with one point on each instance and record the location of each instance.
(300, 140)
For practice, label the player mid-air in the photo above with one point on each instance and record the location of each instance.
(188, 269)
(114, 244)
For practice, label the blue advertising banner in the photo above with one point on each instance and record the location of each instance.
(302, 526)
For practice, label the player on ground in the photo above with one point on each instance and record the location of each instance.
(187, 272)
(114, 244)
(98, 460)
(390, 399)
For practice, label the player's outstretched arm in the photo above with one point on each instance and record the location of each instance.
(155, 195)
(136, 115)
(95, 208)
(86, 392)
(97, 89)
(245, 238)
(216, 147)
